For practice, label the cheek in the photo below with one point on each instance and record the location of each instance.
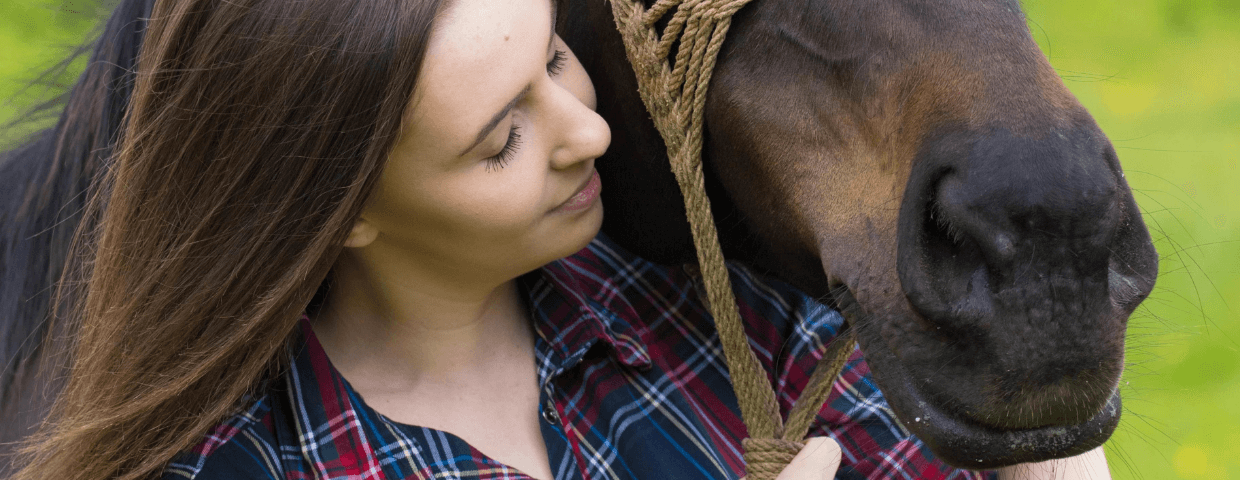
(458, 209)
(493, 203)
(503, 206)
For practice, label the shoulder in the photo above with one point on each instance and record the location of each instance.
(779, 319)
(636, 290)
(242, 447)
(607, 264)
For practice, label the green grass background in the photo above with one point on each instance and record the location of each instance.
(1162, 78)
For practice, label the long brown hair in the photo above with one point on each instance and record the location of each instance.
(254, 135)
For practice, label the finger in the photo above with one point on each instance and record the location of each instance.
(1091, 465)
(818, 460)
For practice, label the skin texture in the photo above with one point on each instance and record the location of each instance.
(424, 303)
(920, 166)
(818, 459)
(1091, 465)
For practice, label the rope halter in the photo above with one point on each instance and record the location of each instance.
(676, 98)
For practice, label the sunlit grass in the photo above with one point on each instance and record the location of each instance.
(1162, 78)
(34, 36)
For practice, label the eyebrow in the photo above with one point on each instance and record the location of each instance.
(486, 129)
(498, 117)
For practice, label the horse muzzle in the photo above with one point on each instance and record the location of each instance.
(1020, 259)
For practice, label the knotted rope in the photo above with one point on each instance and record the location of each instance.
(676, 98)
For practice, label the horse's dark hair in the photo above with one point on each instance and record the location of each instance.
(189, 205)
(43, 190)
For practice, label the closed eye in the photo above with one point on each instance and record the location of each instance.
(510, 149)
(556, 65)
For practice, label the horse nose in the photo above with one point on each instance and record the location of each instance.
(1015, 197)
(1006, 249)
(1013, 209)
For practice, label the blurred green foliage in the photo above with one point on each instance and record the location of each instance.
(34, 36)
(1162, 78)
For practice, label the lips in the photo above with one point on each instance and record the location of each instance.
(964, 444)
(585, 194)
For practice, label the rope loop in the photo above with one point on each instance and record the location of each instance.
(676, 100)
(766, 457)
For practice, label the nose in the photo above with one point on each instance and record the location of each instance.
(581, 133)
(1006, 247)
(1008, 211)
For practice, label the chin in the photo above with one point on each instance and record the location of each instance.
(584, 229)
(571, 237)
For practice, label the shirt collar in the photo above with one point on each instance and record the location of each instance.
(575, 303)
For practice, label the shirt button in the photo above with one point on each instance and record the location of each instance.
(549, 414)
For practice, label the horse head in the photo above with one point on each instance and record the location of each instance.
(921, 166)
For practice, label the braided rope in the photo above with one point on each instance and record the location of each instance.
(676, 100)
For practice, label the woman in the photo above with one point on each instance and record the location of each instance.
(320, 256)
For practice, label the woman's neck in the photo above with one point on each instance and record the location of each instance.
(439, 348)
(391, 325)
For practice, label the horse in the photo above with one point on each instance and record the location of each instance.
(917, 165)
(920, 166)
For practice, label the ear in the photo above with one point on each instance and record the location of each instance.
(363, 234)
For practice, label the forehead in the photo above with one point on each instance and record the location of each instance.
(480, 56)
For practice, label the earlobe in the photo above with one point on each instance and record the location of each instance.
(362, 234)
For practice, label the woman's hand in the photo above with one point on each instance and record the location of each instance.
(818, 460)
(1091, 465)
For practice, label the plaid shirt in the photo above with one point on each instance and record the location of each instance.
(634, 386)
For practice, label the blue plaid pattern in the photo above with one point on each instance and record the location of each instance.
(629, 360)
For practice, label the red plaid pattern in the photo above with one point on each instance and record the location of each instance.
(634, 386)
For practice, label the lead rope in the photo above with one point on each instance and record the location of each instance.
(676, 98)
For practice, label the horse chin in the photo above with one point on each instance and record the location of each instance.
(960, 441)
(964, 444)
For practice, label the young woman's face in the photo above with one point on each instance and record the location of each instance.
(493, 171)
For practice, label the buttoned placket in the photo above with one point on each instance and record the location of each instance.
(559, 365)
(555, 437)
(549, 412)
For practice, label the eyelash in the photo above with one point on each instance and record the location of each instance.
(501, 159)
(557, 63)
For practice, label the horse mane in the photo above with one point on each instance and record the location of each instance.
(44, 186)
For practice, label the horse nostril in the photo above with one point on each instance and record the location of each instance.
(954, 278)
(992, 224)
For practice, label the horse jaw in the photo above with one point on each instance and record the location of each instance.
(849, 165)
